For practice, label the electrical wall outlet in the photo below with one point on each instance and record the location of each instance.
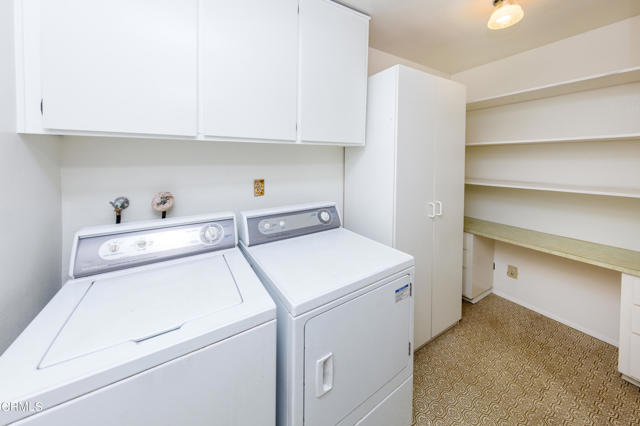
(258, 187)
(512, 272)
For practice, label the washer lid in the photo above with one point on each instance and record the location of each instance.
(57, 333)
(141, 305)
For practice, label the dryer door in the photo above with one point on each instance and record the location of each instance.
(353, 350)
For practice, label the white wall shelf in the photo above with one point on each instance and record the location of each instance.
(599, 81)
(603, 138)
(575, 189)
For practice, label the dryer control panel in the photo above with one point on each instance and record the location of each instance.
(267, 226)
(149, 242)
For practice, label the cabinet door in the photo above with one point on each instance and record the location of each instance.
(127, 66)
(249, 54)
(414, 189)
(333, 73)
(483, 249)
(449, 125)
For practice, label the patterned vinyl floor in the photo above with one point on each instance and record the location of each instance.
(505, 364)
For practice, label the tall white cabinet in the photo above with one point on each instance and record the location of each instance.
(406, 187)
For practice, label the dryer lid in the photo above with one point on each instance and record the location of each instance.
(309, 271)
(134, 307)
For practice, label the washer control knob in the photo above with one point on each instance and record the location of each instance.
(282, 223)
(324, 216)
(141, 243)
(211, 234)
(267, 225)
(113, 247)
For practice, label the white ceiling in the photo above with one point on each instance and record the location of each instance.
(452, 35)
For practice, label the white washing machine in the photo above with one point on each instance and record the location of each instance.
(345, 317)
(164, 323)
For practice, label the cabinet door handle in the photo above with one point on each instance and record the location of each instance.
(439, 203)
(433, 209)
(324, 375)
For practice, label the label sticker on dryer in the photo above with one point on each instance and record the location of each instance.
(402, 293)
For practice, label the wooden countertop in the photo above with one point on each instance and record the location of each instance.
(622, 260)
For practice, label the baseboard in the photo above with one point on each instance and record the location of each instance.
(584, 330)
(478, 298)
(631, 380)
(436, 336)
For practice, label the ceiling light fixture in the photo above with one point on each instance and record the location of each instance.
(508, 12)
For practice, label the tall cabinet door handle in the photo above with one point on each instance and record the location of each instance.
(433, 209)
(439, 203)
(324, 375)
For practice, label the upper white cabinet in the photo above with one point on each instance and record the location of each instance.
(249, 78)
(245, 70)
(127, 66)
(333, 73)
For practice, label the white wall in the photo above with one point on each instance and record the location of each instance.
(561, 289)
(30, 216)
(612, 164)
(379, 60)
(606, 49)
(584, 296)
(605, 220)
(203, 176)
(604, 112)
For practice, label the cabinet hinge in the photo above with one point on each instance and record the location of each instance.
(409, 348)
(41, 106)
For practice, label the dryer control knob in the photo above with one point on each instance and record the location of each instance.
(325, 216)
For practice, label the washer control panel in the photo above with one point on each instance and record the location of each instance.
(113, 251)
(273, 227)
